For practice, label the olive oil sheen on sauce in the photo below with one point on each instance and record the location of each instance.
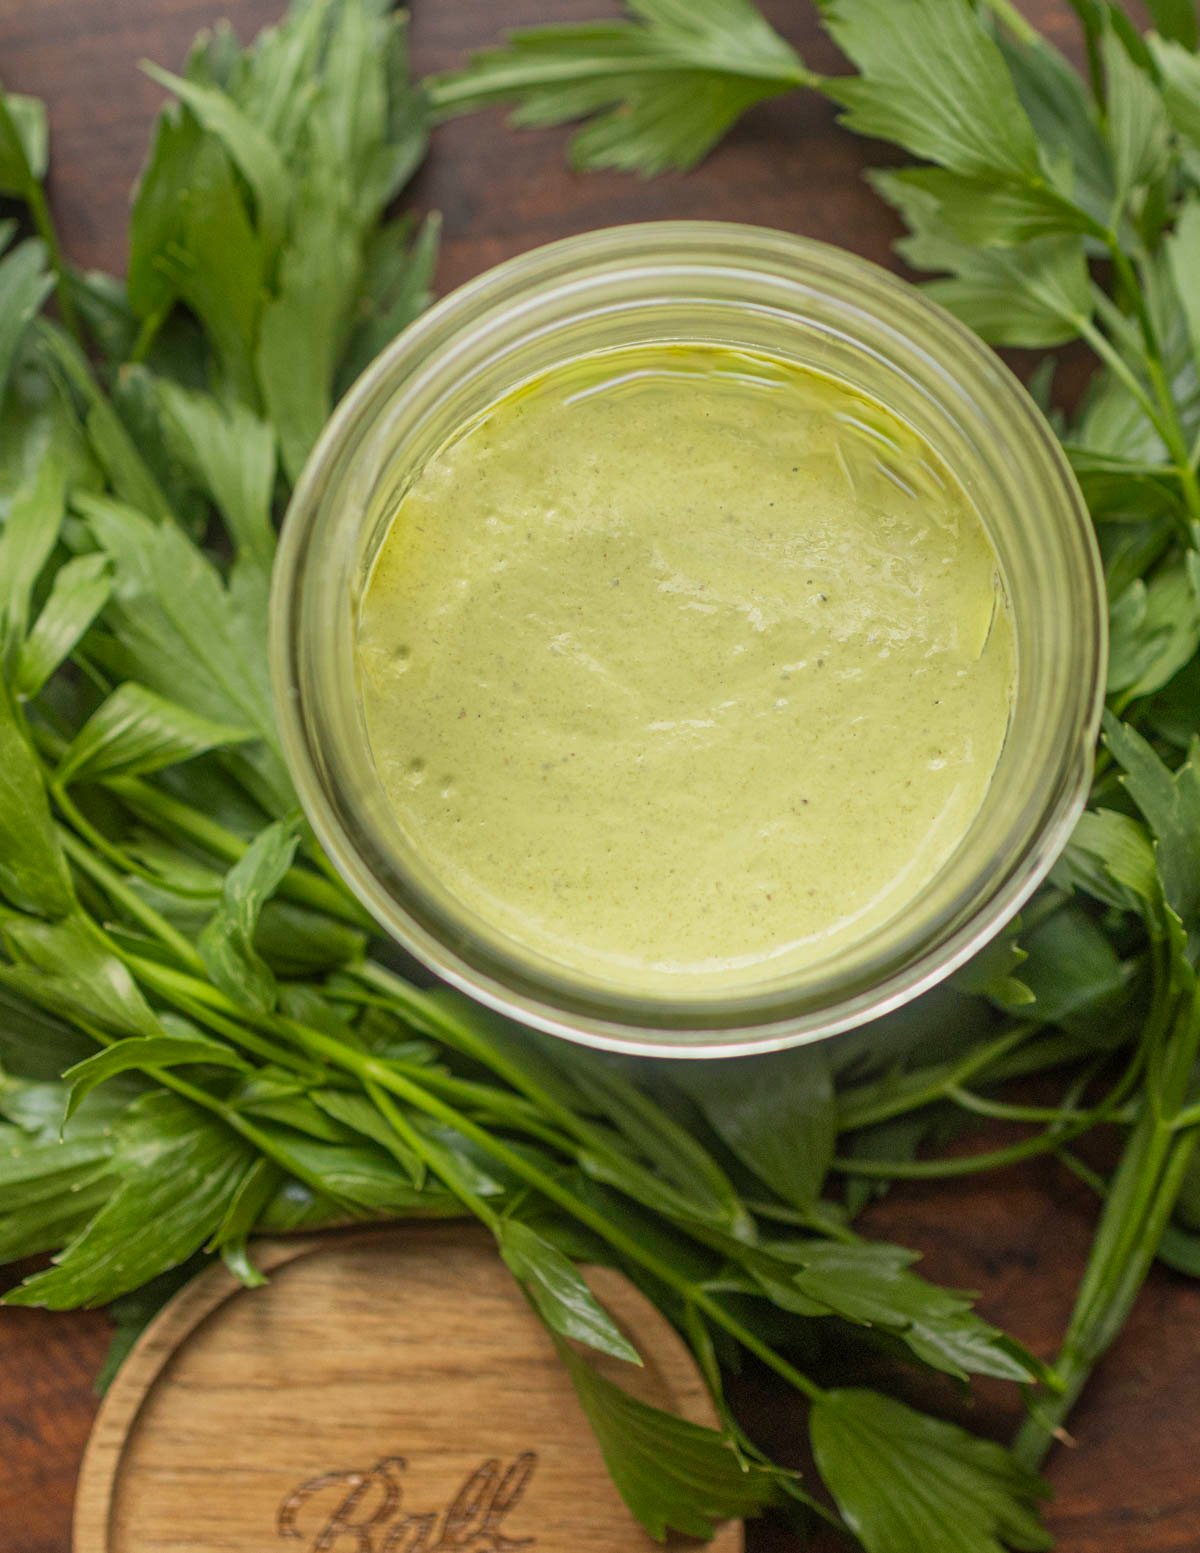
(684, 667)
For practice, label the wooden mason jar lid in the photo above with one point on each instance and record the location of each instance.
(387, 1392)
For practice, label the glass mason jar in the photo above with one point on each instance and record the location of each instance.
(741, 287)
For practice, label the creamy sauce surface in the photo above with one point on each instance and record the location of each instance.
(685, 667)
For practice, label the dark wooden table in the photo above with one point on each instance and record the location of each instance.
(1131, 1483)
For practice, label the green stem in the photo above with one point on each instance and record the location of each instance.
(499, 1105)
(371, 1070)
(461, 1037)
(1137, 1209)
(958, 1165)
(887, 1098)
(999, 1110)
(430, 1156)
(1120, 369)
(173, 818)
(148, 332)
(196, 998)
(131, 903)
(810, 1218)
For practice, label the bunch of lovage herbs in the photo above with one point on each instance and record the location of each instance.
(200, 1038)
(1052, 208)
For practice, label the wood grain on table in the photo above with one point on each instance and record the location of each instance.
(1131, 1481)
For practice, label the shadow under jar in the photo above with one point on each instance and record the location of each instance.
(768, 297)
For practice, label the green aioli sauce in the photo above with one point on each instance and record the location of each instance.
(685, 667)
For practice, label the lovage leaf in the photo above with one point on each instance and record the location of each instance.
(908, 1483)
(24, 144)
(775, 1113)
(135, 732)
(28, 537)
(233, 452)
(80, 590)
(143, 1054)
(304, 328)
(66, 967)
(179, 1167)
(933, 80)
(1175, 19)
(252, 151)
(1180, 71)
(33, 871)
(1138, 128)
(872, 1284)
(673, 1474)
(558, 1290)
(227, 943)
(1170, 801)
(663, 89)
(25, 283)
(186, 635)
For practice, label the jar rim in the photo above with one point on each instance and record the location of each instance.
(513, 295)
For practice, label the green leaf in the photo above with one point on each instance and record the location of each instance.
(135, 732)
(871, 1285)
(1138, 128)
(25, 283)
(673, 1474)
(908, 1483)
(227, 944)
(992, 973)
(978, 211)
(1037, 297)
(218, 266)
(1183, 256)
(184, 634)
(305, 326)
(24, 144)
(1170, 802)
(298, 942)
(1073, 970)
(1175, 19)
(28, 538)
(1180, 71)
(664, 89)
(357, 1112)
(144, 1054)
(367, 117)
(252, 152)
(256, 1189)
(775, 1113)
(1111, 858)
(688, 1182)
(159, 211)
(80, 590)
(396, 288)
(233, 452)
(1064, 119)
(361, 1178)
(33, 1043)
(557, 1289)
(66, 967)
(50, 1186)
(933, 80)
(131, 478)
(1155, 629)
(33, 871)
(180, 1166)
